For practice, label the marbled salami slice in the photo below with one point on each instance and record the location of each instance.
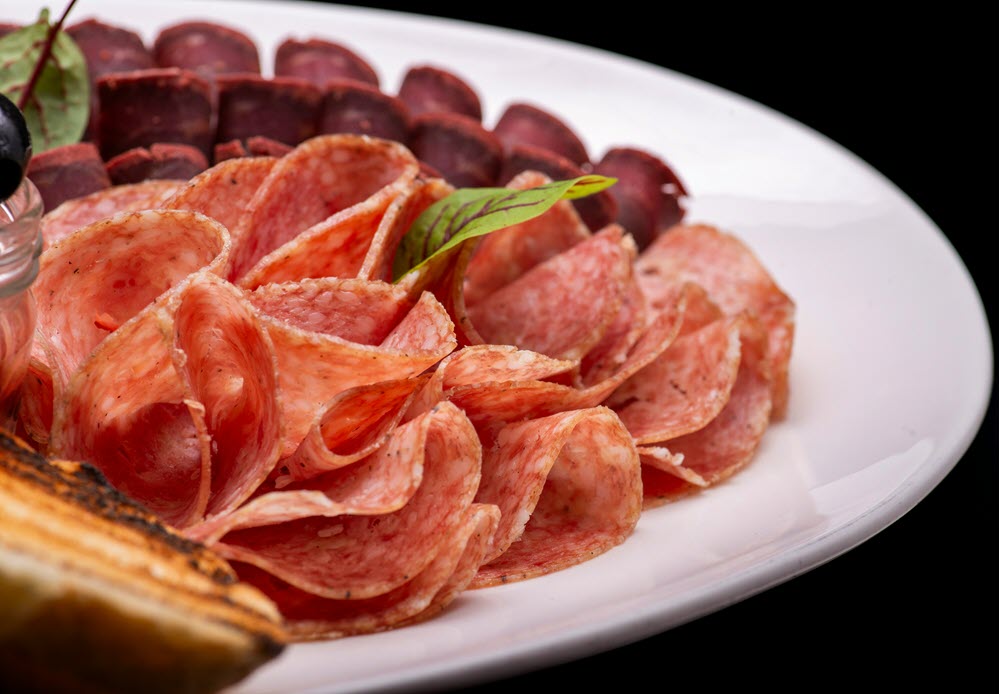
(76, 213)
(522, 123)
(355, 107)
(230, 364)
(561, 323)
(735, 279)
(321, 61)
(568, 487)
(158, 161)
(223, 191)
(431, 89)
(684, 388)
(310, 617)
(208, 48)
(351, 426)
(142, 107)
(465, 153)
(68, 172)
(131, 411)
(324, 348)
(728, 443)
(336, 540)
(113, 269)
(284, 109)
(320, 178)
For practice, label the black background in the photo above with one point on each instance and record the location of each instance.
(910, 94)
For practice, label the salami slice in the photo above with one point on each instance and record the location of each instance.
(728, 443)
(107, 48)
(323, 349)
(504, 255)
(561, 323)
(465, 153)
(284, 109)
(320, 178)
(309, 617)
(113, 269)
(648, 193)
(568, 487)
(68, 172)
(337, 541)
(207, 48)
(130, 411)
(158, 161)
(352, 107)
(735, 279)
(432, 89)
(522, 123)
(351, 426)
(321, 61)
(223, 191)
(76, 213)
(685, 388)
(142, 107)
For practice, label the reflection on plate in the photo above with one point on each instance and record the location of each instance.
(815, 215)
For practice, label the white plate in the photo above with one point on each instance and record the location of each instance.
(863, 263)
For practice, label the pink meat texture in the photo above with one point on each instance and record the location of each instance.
(220, 334)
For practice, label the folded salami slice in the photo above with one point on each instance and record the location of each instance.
(648, 192)
(142, 107)
(223, 191)
(67, 172)
(684, 388)
(310, 617)
(727, 444)
(130, 411)
(321, 179)
(107, 48)
(351, 426)
(431, 89)
(76, 213)
(178, 407)
(207, 48)
(465, 153)
(597, 210)
(331, 335)
(321, 61)
(539, 312)
(113, 269)
(735, 279)
(350, 106)
(284, 109)
(158, 161)
(569, 488)
(526, 124)
(343, 539)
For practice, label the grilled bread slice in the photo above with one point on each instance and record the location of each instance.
(97, 595)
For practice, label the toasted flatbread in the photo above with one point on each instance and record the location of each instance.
(96, 594)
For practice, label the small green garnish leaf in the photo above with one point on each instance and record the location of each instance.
(471, 212)
(43, 71)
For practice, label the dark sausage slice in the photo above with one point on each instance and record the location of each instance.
(320, 61)
(207, 48)
(361, 109)
(428, 89)
(67, 172)
(459, 147)
(280, 108)
(525, 124)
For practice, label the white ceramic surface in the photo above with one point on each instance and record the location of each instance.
(883, 400)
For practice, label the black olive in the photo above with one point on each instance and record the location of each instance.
(15, 147)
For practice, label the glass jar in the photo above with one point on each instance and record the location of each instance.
(20, 246)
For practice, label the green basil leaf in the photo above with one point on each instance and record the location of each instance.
(58, 106)
(471, 212)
